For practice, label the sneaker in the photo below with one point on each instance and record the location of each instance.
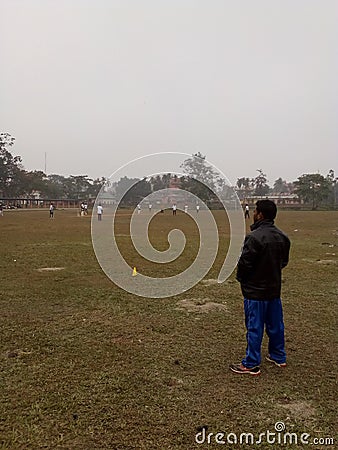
(275, 362)
(239, 368)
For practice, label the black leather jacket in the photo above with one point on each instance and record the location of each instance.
(265, 253)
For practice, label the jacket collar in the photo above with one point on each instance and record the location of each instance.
(261, 223)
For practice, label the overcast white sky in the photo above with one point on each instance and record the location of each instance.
(249, 83)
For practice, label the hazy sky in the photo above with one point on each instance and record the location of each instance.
(252, 84)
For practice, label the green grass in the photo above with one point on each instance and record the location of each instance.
(85, 365)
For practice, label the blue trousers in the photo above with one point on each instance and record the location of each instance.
(260, 313)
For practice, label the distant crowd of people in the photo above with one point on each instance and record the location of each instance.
(99, 209)
(173, 208)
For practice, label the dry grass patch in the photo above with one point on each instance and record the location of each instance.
(327, 261)
(298, 409)
(210, 282)
(199, 305)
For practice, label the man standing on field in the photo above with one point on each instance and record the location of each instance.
(51, 211)
(99, 212)
(265, 253)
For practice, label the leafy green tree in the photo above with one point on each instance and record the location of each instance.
(332, 179)
(77, 186)
(141, 190)
(313, 189)
(36, 181)
(160, 181)
(130, 191)
(123, 185)
(244, 183)
(57, 186)
(95, 187)
(197, 188)
(201, 179)
(11, 171)
(244, 186)
(197, 167)
(280, 186)
(166, 177)
(260, 183)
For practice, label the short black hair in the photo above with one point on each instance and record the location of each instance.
(267, 208)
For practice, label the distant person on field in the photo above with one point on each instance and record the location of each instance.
(85, 206)
(150, 206)
(247, 211)
(99, 212)
(1, 209)
(265, 253)
(186, 209)
(51, 211)
(174, 209)
(82, 206)
(197, 208)
(138, 209)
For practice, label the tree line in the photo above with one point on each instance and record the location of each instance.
(16, 182)
(199, 178)
(313, 189)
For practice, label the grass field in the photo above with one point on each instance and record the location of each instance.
(85, 365)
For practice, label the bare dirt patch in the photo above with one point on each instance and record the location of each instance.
(210, 282)
(214, 282)
(17, 353)
(50, 269)
(327, 261)
(200, 305)
(323, 262)
(299, 409)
